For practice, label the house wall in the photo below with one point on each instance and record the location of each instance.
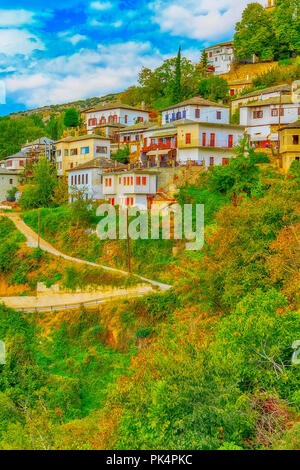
(235, 104)
(264, 126)
(66, 162)
(7, 182)
(116, 116)
(91, 181)
(207, 114)
(121, 191)
(221, 58)
(14, 163)
(289, 148)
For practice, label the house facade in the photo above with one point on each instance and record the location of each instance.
(73, 151)
(115, 113)
(196, 109)
(289, 145)
(18, 161)
(8, 180)
(264, 118)
(221, 57)
(135, 188)
(43, 145)
(88, 178)
(207, 144)
(159, 147)
(262, 95)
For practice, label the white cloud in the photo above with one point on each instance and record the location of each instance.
(101, 6)
(198, 19)
(84, 74)
(15, 18)
(18, 41)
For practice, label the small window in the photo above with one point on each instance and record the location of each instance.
(138, 181)
(197, 113)
(84, 150)
(219, 115)
(101, 149)
(211, 161)
(144, 181)
(187, 138)
(87, 179)
(10, 181)
(66, 152)
(295, 139)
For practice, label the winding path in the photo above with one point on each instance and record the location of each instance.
(32, 241)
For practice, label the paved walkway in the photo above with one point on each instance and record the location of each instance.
(32, 241)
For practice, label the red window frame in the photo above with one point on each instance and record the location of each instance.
(219, 115)
(138, 181)
(204, 139)
(144, 180)
(187, 138)
(212, 140)
(211, 161)
(230, 141)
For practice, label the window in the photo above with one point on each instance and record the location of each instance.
(219, 115)
(120, 180)
(144, 180)
(79, 179)
(74, 152)
(111, 201)
(71, 165)
(178, 116)
(131, 180)
(187, 138)
(184, 114)
(75, 179)
(10, 181)
(258, 114)
(126, 119)
(58, 153)
(204, 139)
(274, 112)
(232, 92)
(140, 119)
(225, 161)
(295, 139)
(211, 161)
(173, 116)
(84, 150)
(21, 163)
(101, 149)
(210, 54)
(138, 181)
(167, 117)
(197, 113)
(212, 140)
(86, 179)
(66, 152)
(230, 141)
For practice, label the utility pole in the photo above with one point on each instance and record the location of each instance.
(128, 242)
(279, 124)
(119, 130)
(39, 227)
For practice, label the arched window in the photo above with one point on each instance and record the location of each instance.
(110, 119)
(115, 119)
(103, 120)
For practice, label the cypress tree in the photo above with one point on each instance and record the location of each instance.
(176, 98)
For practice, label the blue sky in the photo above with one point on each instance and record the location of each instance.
(54, 52)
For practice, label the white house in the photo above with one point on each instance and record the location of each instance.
(88, 178)
(130, 188)
(8, 180)
(220, 57)
(18, 161)
(114, 113)
(135, 133)
(196, 109)
(263, 118)
(207, 144)
(261, 95)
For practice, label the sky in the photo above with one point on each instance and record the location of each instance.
(54, 52)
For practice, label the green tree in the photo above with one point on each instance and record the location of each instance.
(287, 26)
(214, 88)
(176, 92)
(255, 34)
(16, 132)
(40, 193)
(204, 62)
(121, 155)
(55, 127)
(71, 118)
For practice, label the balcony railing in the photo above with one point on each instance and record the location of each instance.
(218, 143)
(160, 146)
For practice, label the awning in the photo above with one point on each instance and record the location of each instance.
(153, 153)
(166, 133)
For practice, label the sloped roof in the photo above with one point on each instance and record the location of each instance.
(286, 99)
(196, 101)
(229, 43)
(292, 125)
(114, 105)
(139, 126)
(71, 138)
(17, 155)
(285, 87)
(42, 140)
(100, 162)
